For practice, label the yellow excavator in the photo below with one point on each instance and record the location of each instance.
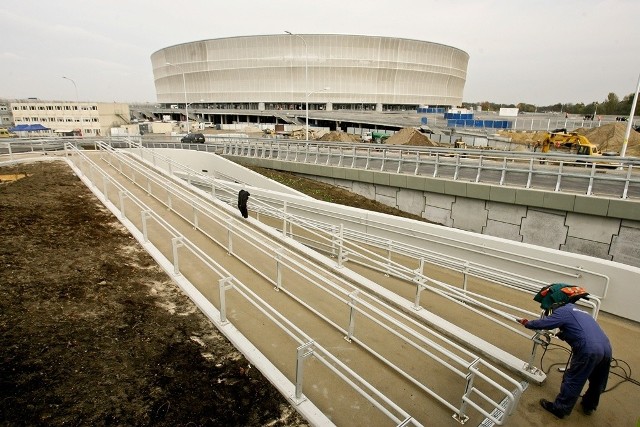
(561, 140)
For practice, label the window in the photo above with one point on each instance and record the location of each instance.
(49, 107)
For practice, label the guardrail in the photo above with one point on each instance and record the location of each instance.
(364, 305)
(608, 176)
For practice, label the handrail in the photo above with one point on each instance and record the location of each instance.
(323, 355)
(282, 258)
(264, 204)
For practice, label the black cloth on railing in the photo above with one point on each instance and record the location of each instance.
(243, 196)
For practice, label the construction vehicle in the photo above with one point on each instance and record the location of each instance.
(379, 137)
(4, 133)
(560, 140)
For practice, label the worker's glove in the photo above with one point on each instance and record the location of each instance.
(523, 322)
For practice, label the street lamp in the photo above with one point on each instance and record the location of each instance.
(306, 82)
(74, 85)
(184, 85)
(623, 150)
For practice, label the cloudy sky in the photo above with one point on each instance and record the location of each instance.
(535, 51)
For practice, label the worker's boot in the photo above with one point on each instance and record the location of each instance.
(549, 407)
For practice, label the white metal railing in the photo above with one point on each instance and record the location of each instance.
(356, 304)
(226, 282)
(345, 246)
(590, 175)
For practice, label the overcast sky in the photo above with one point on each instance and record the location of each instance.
(535, 51)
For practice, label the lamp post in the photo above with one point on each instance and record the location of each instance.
(184, 85)
(306, 82)
(74, 85)
(623, 150)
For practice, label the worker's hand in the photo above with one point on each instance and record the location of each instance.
(523, 322)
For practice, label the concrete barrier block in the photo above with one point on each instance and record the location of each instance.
(530, 197)
(415, 182)
(340, 173)
(398, 180)
(544, 229)
(559, 201)
(586, 247)
(364, 189)
(479, 191)
(502, 194)
(469, 214)
(503, 212)
(503, 230)
(381, 178)
(455, 188)
(441, 201)
(592, 228)
(411, 201)
(352, 174)
(438, 215)
(625, 247)
(434, 185)
(591, 205)
(625, 209)
(365, 176)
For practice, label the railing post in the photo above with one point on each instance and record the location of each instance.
(176, 242)
(529, 175)
(460, 416)
(145, 214)
(353, 159)
(223, 285)
(415, 172)
(559, 180)
(591, 176)
(480, 168)
(122, 194)
(465, 275)
(279, 252)
(342, 255)
(195, 215)
(352, 315)
(420, 284)
(626, 183)
(105, 187)
(435, 168)
(302, 352)
(229, 236)
(284, 218)
(457, 170)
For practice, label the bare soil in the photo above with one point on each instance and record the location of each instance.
(93, 332)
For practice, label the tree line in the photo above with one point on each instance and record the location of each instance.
(613, 105)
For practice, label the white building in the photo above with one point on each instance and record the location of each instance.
(327, 71)
(63, 117)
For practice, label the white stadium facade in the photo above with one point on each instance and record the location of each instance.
(322, 71)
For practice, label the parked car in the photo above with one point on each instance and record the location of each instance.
(193, 138)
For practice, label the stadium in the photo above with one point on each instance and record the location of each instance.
(315, 71)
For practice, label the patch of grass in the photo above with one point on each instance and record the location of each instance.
(329, 193)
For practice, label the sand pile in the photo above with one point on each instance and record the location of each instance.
(410, 136)
(524, 137)
(610, 137)
(338, 136)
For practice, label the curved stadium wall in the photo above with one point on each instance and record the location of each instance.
(273, 69)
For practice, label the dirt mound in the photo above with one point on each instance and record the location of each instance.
(410, 136)
(338, 136)
(523, 137)
(610, 137)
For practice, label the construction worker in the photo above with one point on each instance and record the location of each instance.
(590, 348)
